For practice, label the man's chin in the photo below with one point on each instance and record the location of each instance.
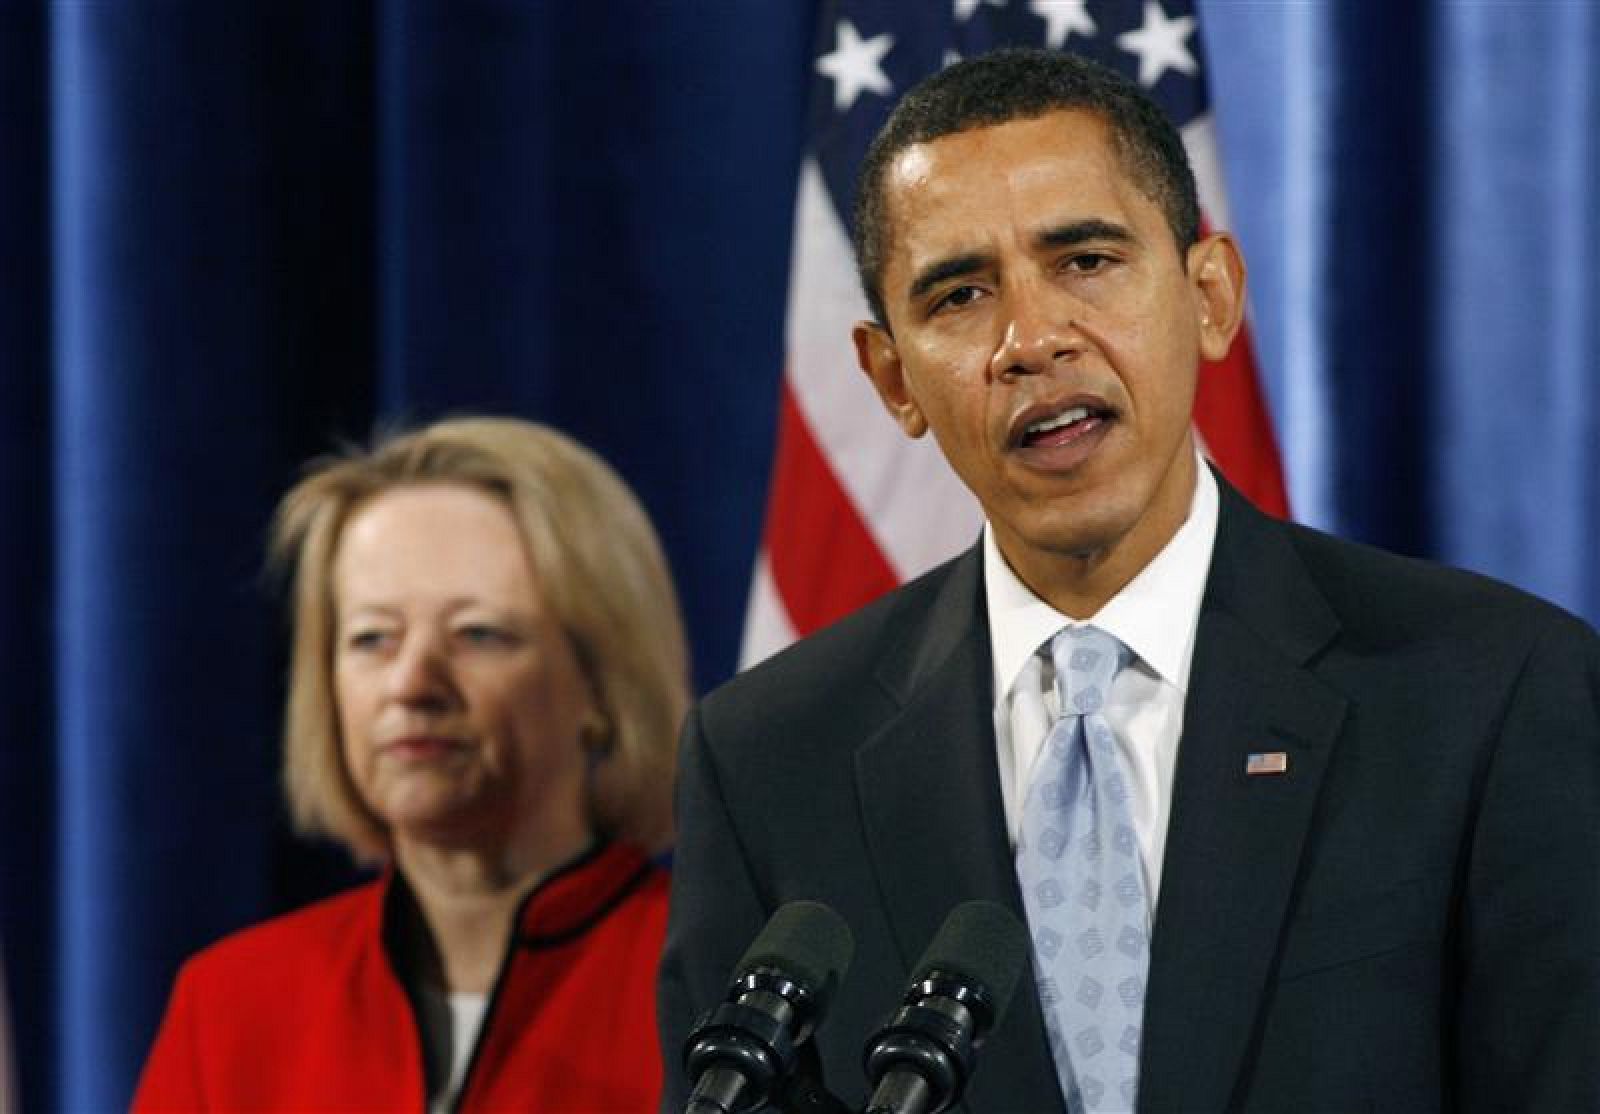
(1084, 528)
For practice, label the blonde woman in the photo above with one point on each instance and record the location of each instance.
(487, 680)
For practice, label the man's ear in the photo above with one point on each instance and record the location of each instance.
(879, 357)
(1216, 274)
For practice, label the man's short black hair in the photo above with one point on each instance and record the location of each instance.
(1021, 84)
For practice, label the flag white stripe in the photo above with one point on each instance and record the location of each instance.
(1200, 141)
(767, 628)
(912, 504)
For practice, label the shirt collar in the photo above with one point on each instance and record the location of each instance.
(1155, 614)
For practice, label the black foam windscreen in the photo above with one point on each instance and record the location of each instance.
(809, 942)
(982, 942)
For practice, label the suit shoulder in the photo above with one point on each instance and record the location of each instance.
(1374, 589)
(834, 671)
(848, 647)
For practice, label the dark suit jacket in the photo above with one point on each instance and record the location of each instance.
(1407, 920)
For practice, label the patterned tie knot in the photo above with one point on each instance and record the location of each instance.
(1087, 660)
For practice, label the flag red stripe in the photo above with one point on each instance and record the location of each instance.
(1231, 413)
(1232, 416)
(824, 561)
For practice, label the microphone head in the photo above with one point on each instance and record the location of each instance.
(981, 943)
(809, 943)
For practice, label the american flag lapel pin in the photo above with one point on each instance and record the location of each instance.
(1266, 762)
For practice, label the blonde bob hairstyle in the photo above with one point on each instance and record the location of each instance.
(600, 568)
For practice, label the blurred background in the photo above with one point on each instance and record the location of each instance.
(232, 235)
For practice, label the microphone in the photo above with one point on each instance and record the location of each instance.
(920, 1060)
(745, 1047)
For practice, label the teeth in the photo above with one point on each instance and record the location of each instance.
(1065, 418)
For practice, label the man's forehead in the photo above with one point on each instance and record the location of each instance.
(1068, 130)
(913, 165)
(1062, 163)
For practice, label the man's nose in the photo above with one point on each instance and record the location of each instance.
(1040, 330)
(419, 674)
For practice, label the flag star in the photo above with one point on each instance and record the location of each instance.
(951, 57)
(856, 65)
(1062, 18)
(965, 8)
(1160, 44)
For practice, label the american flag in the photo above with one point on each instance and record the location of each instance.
(856, 509)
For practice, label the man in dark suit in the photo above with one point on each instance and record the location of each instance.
(1361, 793)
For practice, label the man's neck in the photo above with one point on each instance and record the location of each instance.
(1079, 584)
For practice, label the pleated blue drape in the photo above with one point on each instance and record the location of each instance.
(1515, 399)
(187, 370)
(230, 234)
(1415, 188)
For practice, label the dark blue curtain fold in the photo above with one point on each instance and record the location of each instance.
(28, 759)
(604, 245)
(210, 250)
(231, 235)
(1381, 232)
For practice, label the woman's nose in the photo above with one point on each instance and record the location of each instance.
(419, 673)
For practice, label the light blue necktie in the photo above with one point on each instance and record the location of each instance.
(1078, 867)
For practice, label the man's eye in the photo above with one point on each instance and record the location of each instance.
(958, 298)
(1088, 263)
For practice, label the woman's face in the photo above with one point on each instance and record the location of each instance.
(460, 697)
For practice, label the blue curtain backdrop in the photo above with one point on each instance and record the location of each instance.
(230, 234)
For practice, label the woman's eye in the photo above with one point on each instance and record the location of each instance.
(485, 634)
(368, 639)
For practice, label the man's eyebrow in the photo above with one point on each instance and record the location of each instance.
(1081, 232)
(1061, 236)
(944, 269)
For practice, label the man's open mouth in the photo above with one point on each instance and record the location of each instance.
(1065, 426)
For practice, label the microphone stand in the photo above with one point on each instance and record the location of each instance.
(801, 1093)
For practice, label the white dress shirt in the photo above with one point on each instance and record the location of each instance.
(1155, 616)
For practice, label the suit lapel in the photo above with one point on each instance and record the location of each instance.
(935, 823)
(1235, 840)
